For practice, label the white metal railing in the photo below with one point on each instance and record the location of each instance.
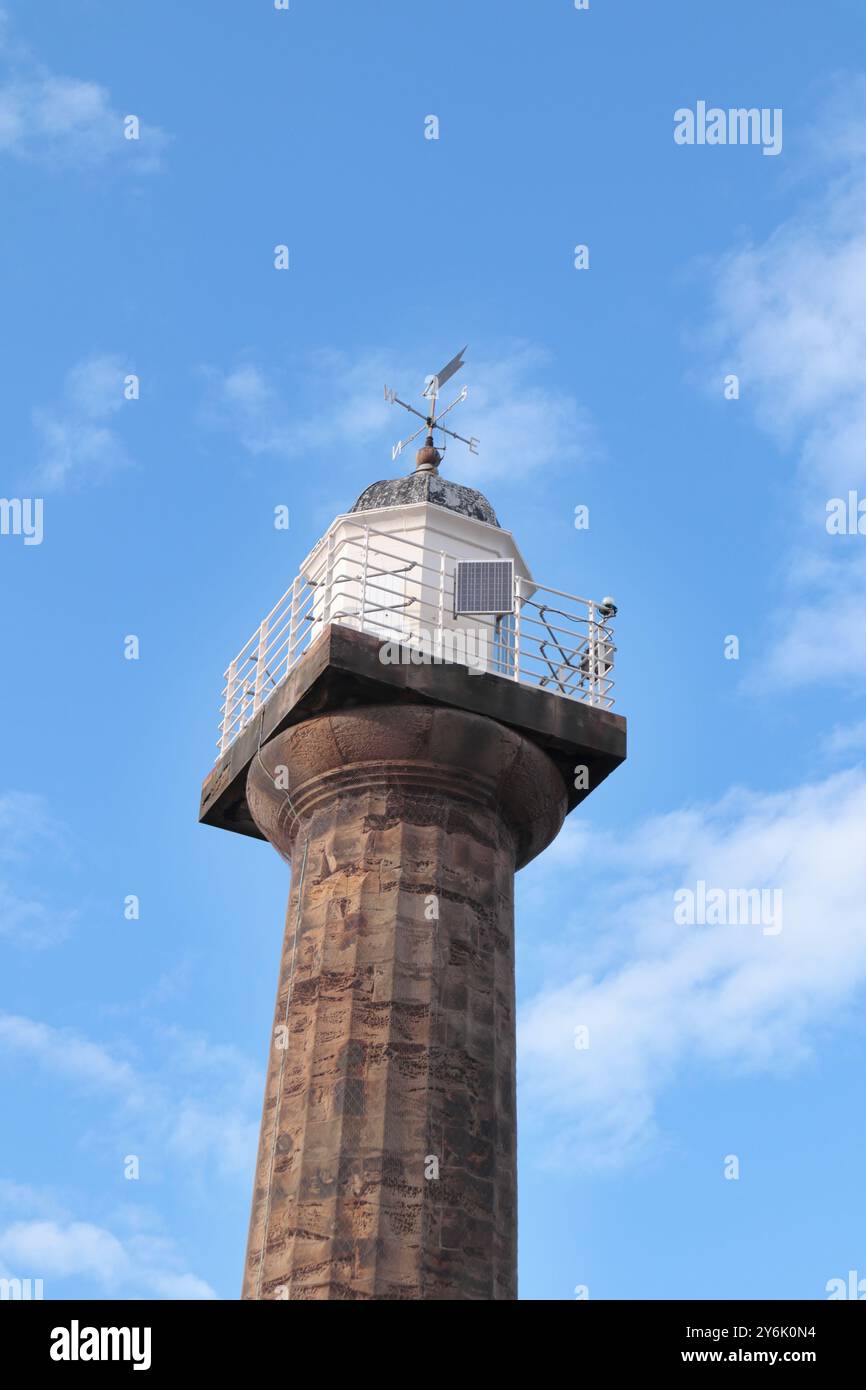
(385, 583)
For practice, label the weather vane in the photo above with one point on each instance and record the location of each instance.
(432, 420)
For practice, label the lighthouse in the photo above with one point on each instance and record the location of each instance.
(408, 726)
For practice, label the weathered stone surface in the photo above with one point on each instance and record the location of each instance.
(400, 1022)
(342, 670)
(427, 487)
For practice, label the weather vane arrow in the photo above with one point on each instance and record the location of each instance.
(432, 419)
(450, 369)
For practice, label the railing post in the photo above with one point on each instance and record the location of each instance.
(329, 574)
(610, 664)
(260, 664)
(231, 679)
(581, 666)
(293, 623)
(517, 611)
(606, 662)
(363, 608)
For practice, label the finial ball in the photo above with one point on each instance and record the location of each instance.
(428, 459)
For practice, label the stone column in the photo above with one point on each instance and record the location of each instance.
(387, 1158)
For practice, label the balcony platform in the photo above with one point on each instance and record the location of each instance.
(342, 669)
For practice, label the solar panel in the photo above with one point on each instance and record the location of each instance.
(484, 586)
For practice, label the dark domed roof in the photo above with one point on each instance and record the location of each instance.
(427, 487)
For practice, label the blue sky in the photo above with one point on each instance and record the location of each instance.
(603, 387)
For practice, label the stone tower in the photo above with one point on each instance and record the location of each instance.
(406, 752)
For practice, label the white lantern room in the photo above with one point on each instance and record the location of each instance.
(422, 563)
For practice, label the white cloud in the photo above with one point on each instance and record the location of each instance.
(658, 997)
(192, 1117)
(523, 426)
(28, 831)
(27, 827)
(207, 1133)
(56, 120)
(846, 739)
(789, 317)
(27, 921)
(77, 443)
(44, 1241)
(216, 1123)
(61, 1250)
(44, 1250)
(20, 1197)
(67, 1054)
(818, 632)
(198, 1105)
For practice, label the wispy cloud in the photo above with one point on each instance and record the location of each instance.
(818, 633)
(197, 1102)
(75, 1058)
(659, 997)
(789, 317)
(27, 832)
(525, 425)
(135, 1265)
(20, 1198)
(846, 739)
(77, 442)
(28, 921)
(27, 825)
(60, 121)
